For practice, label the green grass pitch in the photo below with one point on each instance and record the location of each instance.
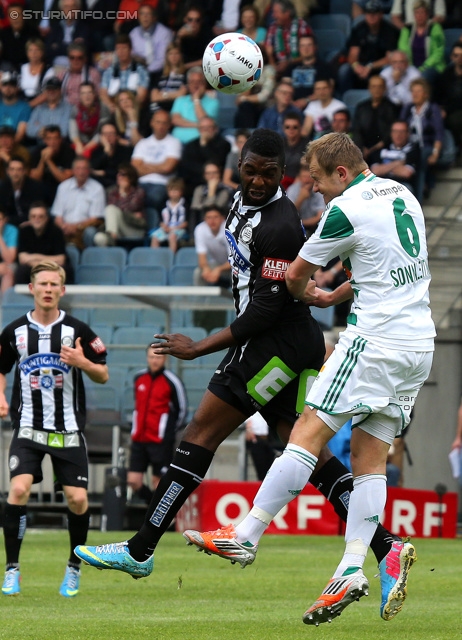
(191, 596)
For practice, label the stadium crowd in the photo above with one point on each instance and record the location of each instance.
(108, 126)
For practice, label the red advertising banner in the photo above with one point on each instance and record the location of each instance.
(409, 512)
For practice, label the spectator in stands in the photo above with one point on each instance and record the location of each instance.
(124, 74)
(448, 94)
(54, 111)
(9, 148)
(34, 72)
(126, 117)
(39, 241)
(402, 12)
(18, 191)
(399, 160)
(320, 110)
(294, 146)
(79, 204)
(310, 204)
(283, 36)
(250, 20)
(305, 73)
(251, 103)
(341, 122)
(125, 22)
(15, 36)
(224, 17)
(124, 215)
(231, 173)
(373, 118)
(369, 44)
(4, 64)
(193, 36)
(52, 164)
(108, 155)
(150, 40)
(188, 110)
(156, 160)
(8, 251)
(14, 112)
(212, 250)
(174, 224)
(212, 191)
(398, 76)
(62, 32)
(273, 117)
(40, 17)
(424, 42)
(78, 71)
(209, 146)
(160, 412)
(85, 121)
(172, 83)
(427, 129)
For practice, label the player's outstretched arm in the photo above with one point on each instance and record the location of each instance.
(330, 298)
(182, 347)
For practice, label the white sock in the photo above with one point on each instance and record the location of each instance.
(286, 478)
(367, 502)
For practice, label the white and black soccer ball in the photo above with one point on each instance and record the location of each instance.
(232, 63)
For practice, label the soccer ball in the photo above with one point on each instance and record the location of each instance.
(232, 63)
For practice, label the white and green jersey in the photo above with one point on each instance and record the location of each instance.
(377, 228)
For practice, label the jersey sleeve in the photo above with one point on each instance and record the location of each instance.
(93, 347)
(334, 236)
(8, 354)
(277, 247)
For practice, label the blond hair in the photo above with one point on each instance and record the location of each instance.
(333, 150)
(48, 265)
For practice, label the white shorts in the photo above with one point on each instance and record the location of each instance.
(378, 386)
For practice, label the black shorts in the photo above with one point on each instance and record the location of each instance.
(145, 454)
(68, 453)
(272, 372)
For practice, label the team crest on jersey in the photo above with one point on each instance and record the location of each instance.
(67, 341)
(97, 345)
(274, 269)
(14, 463)
(46, 380)
(245, 236)
(366, 195)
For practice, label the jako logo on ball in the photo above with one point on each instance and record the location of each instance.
(232, 63)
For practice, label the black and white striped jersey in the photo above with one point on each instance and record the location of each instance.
(47, 393)
(263, 241)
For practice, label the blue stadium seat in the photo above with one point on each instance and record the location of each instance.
(325, 317)
(141, 336)
(340, 6)
(150, 316)
(148, 256)
(82, 313)
(331, 21)
(181, 275)
(186, 256)
(195, 333)
(352, 97)
(104, 331)
(120, 317)
(74, 256)
(102, 397)
(106, 255)
(97, 273)
(144, 275)
(12, 311)
(127, 356)
(11, 297)
(330, 42)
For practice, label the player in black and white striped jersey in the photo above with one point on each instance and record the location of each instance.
(50, 350)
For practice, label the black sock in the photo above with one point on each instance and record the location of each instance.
(77, 526)
(145, 493)
(335, 482)
(14, 528)
(188, 468)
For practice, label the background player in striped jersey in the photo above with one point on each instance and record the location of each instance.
(276, 347)
(50, 350)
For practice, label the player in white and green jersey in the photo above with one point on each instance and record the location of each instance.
(374, 375)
